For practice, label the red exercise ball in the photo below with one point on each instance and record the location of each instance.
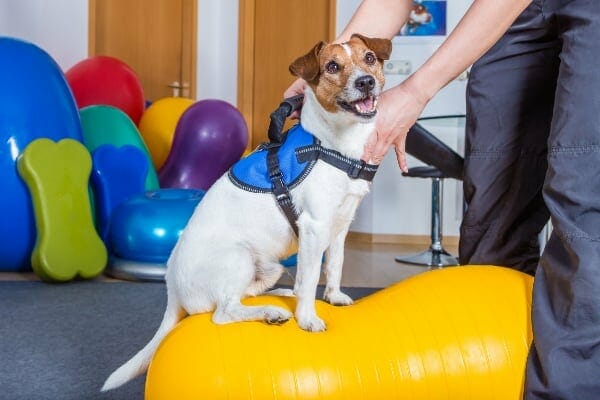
(103, 80)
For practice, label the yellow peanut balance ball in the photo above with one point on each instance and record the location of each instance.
(158, 123)
(459, 333)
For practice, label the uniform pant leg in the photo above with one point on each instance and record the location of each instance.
(564, 362)
(510, 96)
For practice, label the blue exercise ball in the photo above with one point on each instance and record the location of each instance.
(35, 102)
(146, 227)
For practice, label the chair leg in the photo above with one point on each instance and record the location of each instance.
(435, 255)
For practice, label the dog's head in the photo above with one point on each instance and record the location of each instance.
(347, 77)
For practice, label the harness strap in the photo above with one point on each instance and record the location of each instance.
(355, 169)
(280, 189)
(278, 117)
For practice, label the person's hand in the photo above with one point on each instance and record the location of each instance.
(398, 110)
(295, 88)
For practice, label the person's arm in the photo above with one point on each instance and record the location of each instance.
(377, 18)
(399, 107)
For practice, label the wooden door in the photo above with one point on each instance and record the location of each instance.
(272, 34)
(157, 38)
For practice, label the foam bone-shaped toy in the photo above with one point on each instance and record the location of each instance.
(457, 333)
(67, 244)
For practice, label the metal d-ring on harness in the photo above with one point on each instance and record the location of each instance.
(355, 169)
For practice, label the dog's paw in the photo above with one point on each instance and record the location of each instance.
(313, 324)
(337, 298)
(277, 316)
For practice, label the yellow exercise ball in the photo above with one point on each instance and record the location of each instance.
(456, 334)
(158, 123)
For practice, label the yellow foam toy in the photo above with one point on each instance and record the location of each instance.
(455, 334)
(158, 124)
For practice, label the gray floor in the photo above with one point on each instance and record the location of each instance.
(60, 342)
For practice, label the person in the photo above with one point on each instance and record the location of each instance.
(532, 151)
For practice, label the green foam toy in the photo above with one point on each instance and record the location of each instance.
(104, 124)
(67, 243)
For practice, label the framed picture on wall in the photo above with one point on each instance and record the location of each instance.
(427, 22)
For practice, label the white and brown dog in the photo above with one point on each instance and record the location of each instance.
(233, 241)
(419, 15)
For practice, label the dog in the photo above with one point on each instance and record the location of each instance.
(235, 237)
(419, 15)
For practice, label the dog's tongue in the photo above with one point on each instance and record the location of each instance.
(365, 105)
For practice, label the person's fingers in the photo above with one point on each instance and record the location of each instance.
(381, 147)
(369, 147)
(297, 87)
(401, 156)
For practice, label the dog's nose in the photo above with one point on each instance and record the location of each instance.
(365, 83)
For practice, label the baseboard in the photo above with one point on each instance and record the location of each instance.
(398, 239)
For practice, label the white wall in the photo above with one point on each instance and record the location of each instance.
(60, 27)
(217, 50)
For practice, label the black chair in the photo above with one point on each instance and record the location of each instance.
(443, 162)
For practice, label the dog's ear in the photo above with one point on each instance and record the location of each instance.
(307, 66)
(381, 47)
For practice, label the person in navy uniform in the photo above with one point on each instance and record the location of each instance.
(532, 153)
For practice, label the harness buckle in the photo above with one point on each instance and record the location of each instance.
(266, 146)
(275, 172)
(356, 171)
(283, 197)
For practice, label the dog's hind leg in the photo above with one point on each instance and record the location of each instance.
(233, 311)
(281, 292)
(266, 276)
(249, 279)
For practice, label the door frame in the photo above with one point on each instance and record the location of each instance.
(189, 44)
(245, 89)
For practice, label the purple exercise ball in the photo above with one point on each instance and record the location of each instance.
(210, 137)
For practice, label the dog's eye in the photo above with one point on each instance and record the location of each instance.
(332, 67)
(370, 58)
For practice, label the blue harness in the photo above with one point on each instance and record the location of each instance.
(280, 165)
(252, 174)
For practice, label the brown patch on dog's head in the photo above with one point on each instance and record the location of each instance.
(307, 66)
(381, 47)
(335, 72)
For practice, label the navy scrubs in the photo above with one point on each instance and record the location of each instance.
(533, 152)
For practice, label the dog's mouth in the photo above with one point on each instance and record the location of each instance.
(365, 107)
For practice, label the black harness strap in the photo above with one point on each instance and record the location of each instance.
(278, 117)
(276, 137)
(280, 189)
(355, 169)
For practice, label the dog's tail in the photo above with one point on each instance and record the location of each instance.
(139, 363)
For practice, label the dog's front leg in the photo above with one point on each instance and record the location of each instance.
(333, 272)
(312, 243)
